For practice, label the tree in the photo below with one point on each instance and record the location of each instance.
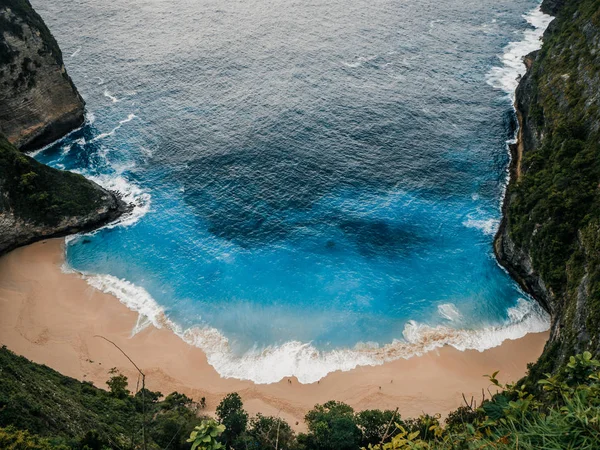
(269, 432)
(231, 413)
(331, 426)
(374, 424)
(118, 384)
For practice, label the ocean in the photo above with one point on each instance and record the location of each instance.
(316, 184)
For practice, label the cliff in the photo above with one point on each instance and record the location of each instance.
(39, 104)
(38, 101)
(37, 201)
(549, 238)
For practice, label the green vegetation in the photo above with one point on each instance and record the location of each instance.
(66, 412)
(554, 209)
(206, 435)
(24, 10)
(40, 194)
(41, 409)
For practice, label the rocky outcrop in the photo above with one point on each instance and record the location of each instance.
(37, 201)
(39, 104)
(549, 238)
(38, 101)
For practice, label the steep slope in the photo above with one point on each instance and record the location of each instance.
(549, 239)
(38, 101)
(37, 201)
(38, 399)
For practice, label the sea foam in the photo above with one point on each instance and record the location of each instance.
(309, 364)
(506, 76)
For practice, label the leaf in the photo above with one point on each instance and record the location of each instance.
(413, 435)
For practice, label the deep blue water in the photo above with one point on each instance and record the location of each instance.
(313, 172)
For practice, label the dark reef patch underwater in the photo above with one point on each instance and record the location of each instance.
(317, 184)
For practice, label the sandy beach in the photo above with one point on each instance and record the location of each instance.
(53, 318)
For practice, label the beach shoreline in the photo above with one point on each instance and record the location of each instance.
(55, 318)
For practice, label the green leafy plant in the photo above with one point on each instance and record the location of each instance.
(205, 436)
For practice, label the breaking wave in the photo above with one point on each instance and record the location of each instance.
(506, 76)
(309, 364)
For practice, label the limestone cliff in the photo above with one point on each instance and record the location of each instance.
(549, 239)
(38, 101)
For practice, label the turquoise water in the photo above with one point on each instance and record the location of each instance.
(317, 184)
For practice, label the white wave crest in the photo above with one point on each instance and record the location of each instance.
(130, 193)
(488, 226)
(303, 360)
(108, 95)
(506, 76)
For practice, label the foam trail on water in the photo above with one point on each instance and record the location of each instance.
(129, 118)
(487, 226)
(506, 76)
(108, 94)
(449, 311)
(303, 360)
(130, 193)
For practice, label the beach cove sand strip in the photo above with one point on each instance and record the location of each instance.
(52, 318)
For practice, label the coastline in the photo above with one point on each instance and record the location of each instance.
(53, 317)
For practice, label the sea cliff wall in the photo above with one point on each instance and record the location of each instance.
(549, 238)
(39, 104)
(38, 101)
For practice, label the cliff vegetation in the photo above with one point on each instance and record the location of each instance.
(550, 237)
(41, 409)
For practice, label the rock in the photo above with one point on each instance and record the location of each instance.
(38, 101)
(549, 237)
(37, 201)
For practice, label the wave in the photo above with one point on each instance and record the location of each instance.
(129, 118)
(108, 95)
(130, 193)
(488, 226)
(506, 76)
(303, 360)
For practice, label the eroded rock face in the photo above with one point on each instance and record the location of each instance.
(38, 101)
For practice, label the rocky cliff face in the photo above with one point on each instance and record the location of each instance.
(37, 201)
(549, 239)
(38, 101)
(39, 104)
